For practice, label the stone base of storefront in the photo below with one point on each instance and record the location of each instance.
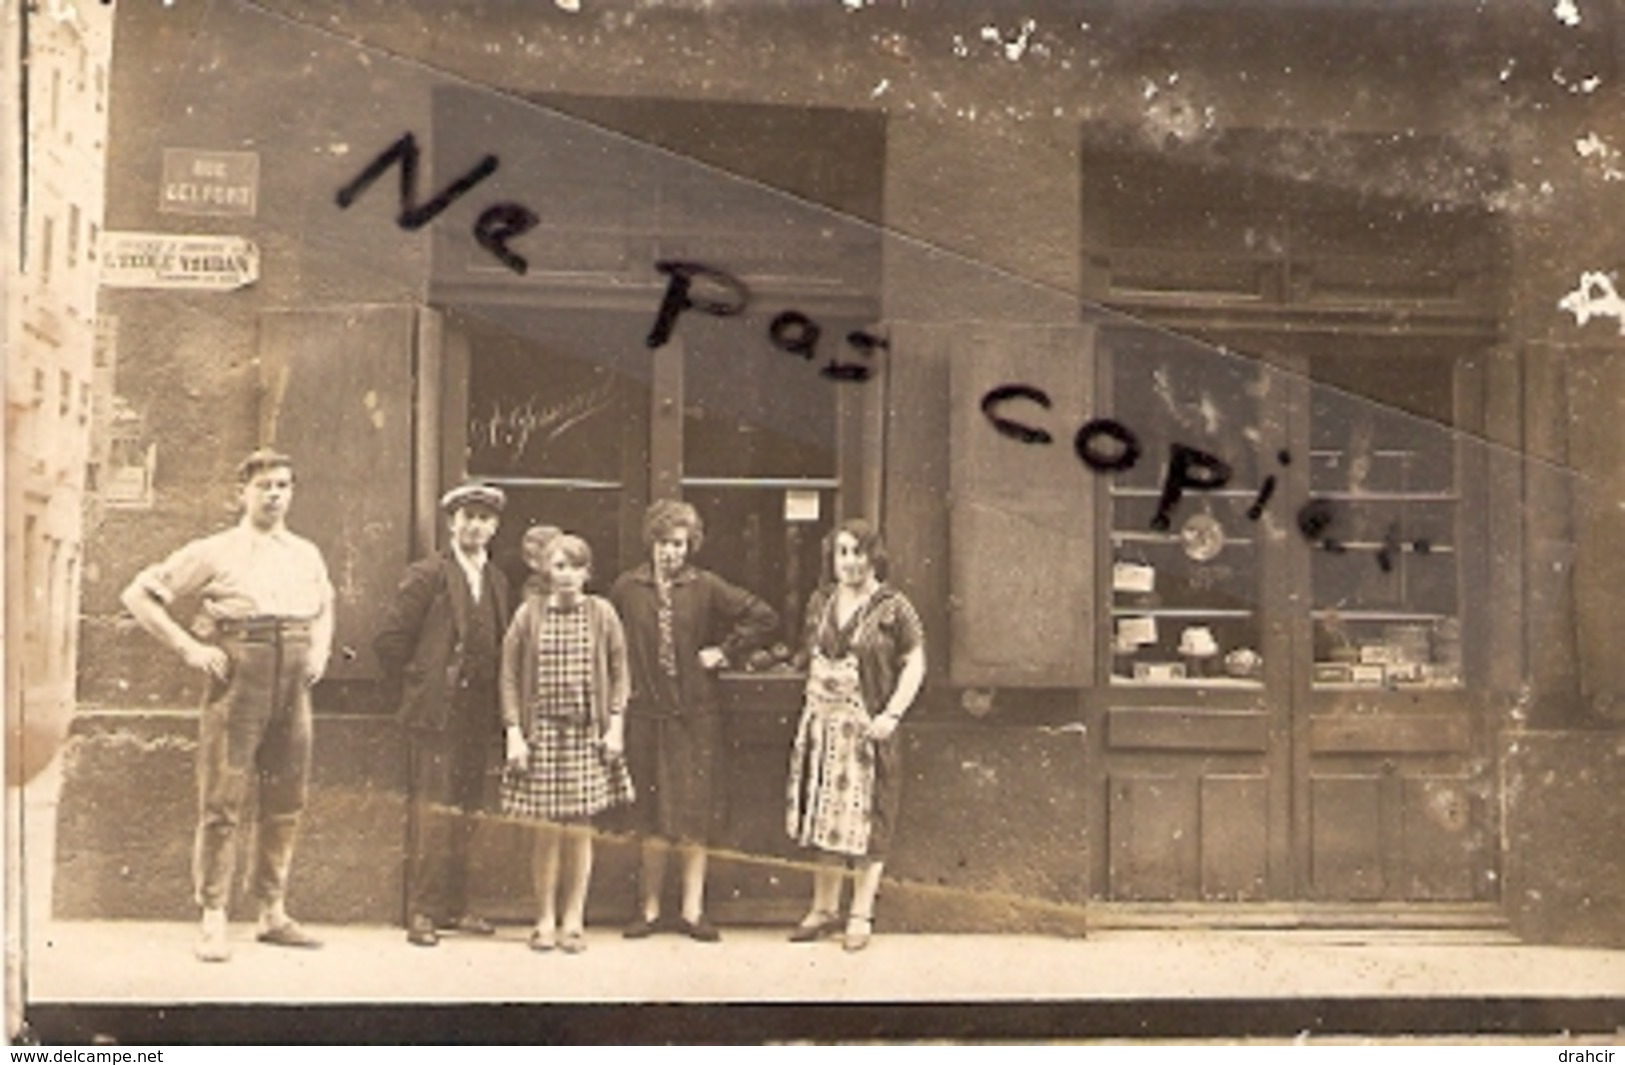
(991, 839)
(1564, 831)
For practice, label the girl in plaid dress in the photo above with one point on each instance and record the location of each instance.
(564, 692)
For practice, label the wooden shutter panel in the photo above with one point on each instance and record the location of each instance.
(338, 399)
(1021, 516)
(1596, 443)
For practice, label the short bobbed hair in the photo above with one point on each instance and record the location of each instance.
(537, 537)
(870, 544)
(575, 550)
(666, 516)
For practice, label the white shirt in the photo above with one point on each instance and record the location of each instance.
(473, 567)
(244, 572)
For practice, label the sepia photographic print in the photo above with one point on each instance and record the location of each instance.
(594, 521)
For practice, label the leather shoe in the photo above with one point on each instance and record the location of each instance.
(815, 927)
(420, 932)
(288, 934)
(641, 928)
(471, 925)
(858, 931)
(702, 930)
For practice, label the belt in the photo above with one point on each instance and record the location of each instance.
(264, 629)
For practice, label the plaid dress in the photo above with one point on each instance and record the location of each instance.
(568, 777)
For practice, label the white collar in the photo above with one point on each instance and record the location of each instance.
(474, 563)
(277, 532)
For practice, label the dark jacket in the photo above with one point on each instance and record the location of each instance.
(420, 645)
(706, 611)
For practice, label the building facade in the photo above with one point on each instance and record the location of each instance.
(1238, 392)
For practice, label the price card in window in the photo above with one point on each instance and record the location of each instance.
(1133, 577)
(1139, 631)
(800, 504)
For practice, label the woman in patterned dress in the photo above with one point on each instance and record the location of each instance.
(866, 652)
(564, 691)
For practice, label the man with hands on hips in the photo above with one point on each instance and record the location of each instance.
(267, 598)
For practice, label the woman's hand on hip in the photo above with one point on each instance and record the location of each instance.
(614, 738)
(882, 727)
(517, 750)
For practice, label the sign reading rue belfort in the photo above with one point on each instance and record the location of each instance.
(210, 183)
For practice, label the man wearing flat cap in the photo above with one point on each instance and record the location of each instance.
(268, 629)
(441, 647)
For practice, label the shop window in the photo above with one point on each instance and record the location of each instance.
(760, 463)
(559, 415)
(1185, 576)
(1385, 590)
(574, 416)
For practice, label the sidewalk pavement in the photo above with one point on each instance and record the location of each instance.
(1118, 981)
(757, 987)
(122, 961)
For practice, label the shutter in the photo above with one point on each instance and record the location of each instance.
(1021, 516)
(1596, 443)
(338, 398)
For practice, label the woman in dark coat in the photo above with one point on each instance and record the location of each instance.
(866, 651)
(683, 624)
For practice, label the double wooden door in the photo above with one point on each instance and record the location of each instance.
(1292, 704)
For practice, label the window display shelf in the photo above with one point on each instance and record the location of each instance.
(1130, 536)
(1377, 615)
(1119, 492)
(1179, 612)
(1393, 686)
(1389, 497)
(1230, 683)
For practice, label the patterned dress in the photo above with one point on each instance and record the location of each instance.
(845, 789)
(568, 776)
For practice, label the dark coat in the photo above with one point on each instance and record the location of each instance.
(706, 611)
(420, 645)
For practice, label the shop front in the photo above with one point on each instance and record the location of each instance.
(1256, 497)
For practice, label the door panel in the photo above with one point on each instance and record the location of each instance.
(1235, 820)
(1345, 854)
(1443, 847)
(1153, 850)
(1181, 729)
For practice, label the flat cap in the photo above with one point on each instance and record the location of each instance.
(264, 458)
(473, 494)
